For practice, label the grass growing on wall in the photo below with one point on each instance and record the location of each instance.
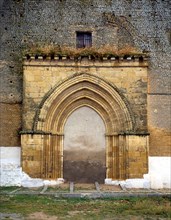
(97, 53)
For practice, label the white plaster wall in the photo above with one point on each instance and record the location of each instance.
(10, 166)
(159, 176)
(160, 172)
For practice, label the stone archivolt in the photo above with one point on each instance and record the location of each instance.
(126, 151)
(84, 89)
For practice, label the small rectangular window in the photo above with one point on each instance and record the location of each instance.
(84, 39)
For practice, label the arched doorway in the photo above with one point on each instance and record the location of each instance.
(65, 98)
(84, 147)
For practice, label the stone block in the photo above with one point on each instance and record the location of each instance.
(10, 118)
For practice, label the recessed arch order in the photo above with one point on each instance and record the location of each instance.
(84, 90)
(77, 91)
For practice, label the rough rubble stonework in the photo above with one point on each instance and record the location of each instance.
(145, 24)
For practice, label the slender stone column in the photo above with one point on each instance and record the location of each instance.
(122, 157)
(52, 156)
(109, 163)
(112, 156)
(115, 149)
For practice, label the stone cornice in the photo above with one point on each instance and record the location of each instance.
(132, 61)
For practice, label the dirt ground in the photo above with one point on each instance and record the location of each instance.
(18, 203)
(71, 214)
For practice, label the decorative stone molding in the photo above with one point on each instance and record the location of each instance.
(139, 58)
(90, 80)
(55, 89)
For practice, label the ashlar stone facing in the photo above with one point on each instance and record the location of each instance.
(116, 90)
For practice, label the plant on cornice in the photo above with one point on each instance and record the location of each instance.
(89, 51)
(107, 51)
(129, 51)
(38, 49)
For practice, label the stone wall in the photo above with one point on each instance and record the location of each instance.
(145, 24)
(142, 23)
(130, 77)
(53, 89)
(10, 124)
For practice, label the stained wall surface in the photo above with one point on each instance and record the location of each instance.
(84, 147)
(42, 76)
(55, 88)
(145, 24)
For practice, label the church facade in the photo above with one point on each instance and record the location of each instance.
(86, 92)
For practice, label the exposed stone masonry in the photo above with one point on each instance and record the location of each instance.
(143, 24)
(55, 88)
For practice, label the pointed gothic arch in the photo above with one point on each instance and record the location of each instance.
(83, 90)
(79, 90)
